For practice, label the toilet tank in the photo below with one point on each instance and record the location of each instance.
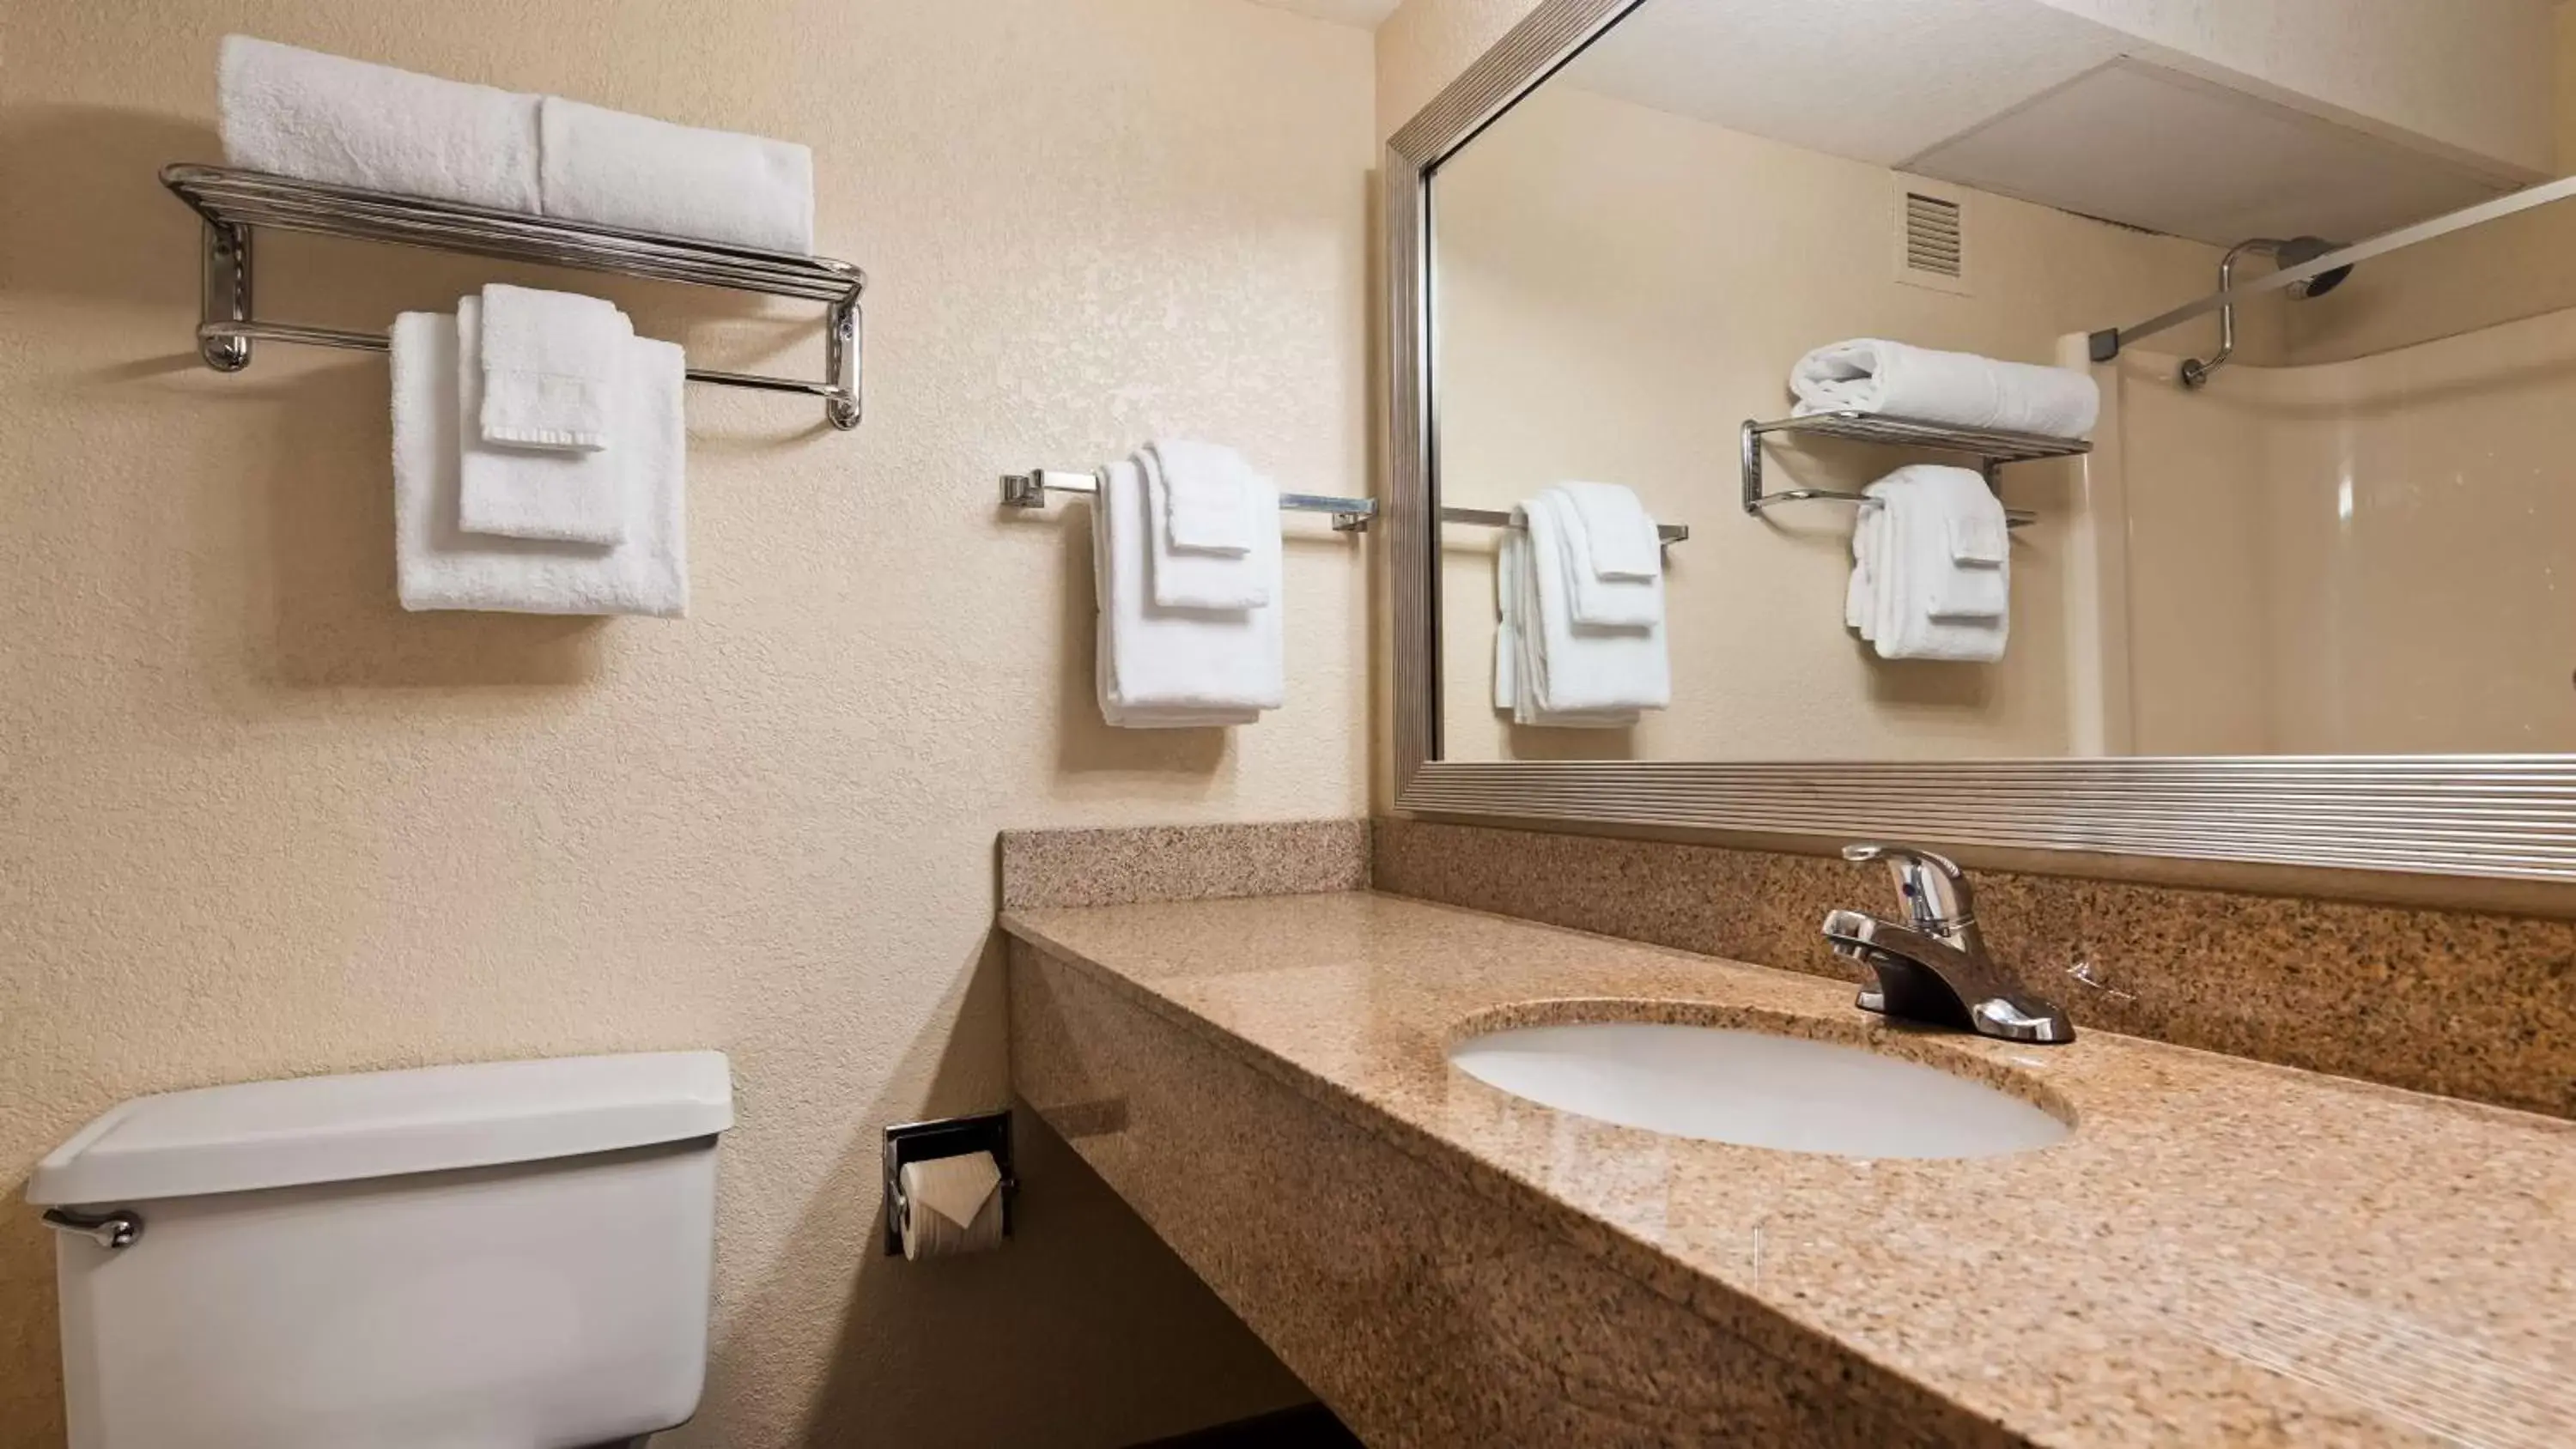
(506, 1255)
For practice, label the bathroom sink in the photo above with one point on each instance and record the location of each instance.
(1755, 1089)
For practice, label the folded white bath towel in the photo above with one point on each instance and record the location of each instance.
(1207, 499)
(1192, 578)
(1923, 603)
(1957, 389)
(551, 363)
(348, 123)
(652, 176)
(1514, 597)
(1633, 598)
(1162, 668)
(438, 565)
(510, 492)
(1570, 672)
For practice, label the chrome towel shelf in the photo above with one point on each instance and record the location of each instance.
(1350, 515)
(1992, 450)
(233, 202)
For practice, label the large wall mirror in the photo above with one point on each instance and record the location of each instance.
(2262, 549)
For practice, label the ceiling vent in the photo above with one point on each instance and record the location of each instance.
(1931, 239)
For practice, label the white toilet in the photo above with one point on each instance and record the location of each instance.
(510, 1255)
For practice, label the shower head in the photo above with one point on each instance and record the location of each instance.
(2301, 250)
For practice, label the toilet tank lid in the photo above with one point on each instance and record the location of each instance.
(381, 1124)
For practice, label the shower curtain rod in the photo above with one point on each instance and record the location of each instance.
(2105, 345)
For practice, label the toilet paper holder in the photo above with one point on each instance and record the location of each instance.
(945, 1137)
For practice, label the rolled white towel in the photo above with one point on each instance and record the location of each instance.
(349, 123)
(647, 175)
(1957, 389)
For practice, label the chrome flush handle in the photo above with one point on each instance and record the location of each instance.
(111, 1230)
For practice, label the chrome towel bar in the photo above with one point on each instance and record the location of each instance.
(232, 203)
(1350, 515)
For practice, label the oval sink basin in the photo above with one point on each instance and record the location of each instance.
(1755, 1089)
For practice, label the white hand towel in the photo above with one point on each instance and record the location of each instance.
(1175, 668)
(1968, 560)
(1189, 578)
(348, 123)
(1959, 389)
(652, 176)
(1630, 602)
(1207, 497)
(551, 363)
(440, 566)
(1912, 570)
(1618, 532)
(1568, 668)
(564, 497)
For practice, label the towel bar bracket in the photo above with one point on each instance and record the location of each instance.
(233, 203)
(223, 295)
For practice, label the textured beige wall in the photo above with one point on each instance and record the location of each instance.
(1620, 289)
(258, 821)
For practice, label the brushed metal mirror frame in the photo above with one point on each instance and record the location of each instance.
(2431, 827)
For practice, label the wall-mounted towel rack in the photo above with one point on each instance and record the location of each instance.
(233, 202)
(1350, 515)
(1992, 450)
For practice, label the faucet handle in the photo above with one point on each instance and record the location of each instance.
(1936, 891)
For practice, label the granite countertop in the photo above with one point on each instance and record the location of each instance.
(2221, 1252)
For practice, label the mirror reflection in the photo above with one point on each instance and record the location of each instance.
(1873, 237)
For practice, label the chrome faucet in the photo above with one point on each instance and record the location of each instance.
(1934, 967)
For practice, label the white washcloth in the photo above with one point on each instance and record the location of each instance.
(1632, 602)
(440, 566)
(1568, 668)
(1512, 595)
(1164, 668)
(551, 361)
(1208, 503)
(348, 123)
(1617, 530)
(652, 176)
(1958, 389)
(1923, 604)
(565, 497)
(1190, 578)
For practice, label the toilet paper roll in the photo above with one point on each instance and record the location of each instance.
(951, 1205)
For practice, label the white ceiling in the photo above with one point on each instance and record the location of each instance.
(2023, 98)
(1363, 13)
(2151, 147)
(1876, 81)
